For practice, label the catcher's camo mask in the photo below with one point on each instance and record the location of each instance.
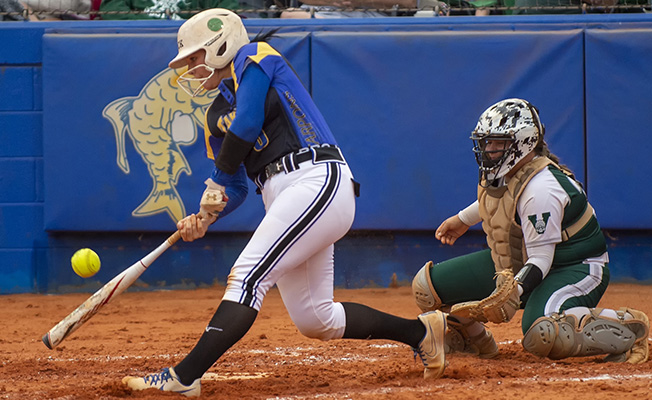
(515, 123)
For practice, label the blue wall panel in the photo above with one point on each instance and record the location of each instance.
(21, 43)
(21, 226)
(38, 89)
(20, 134)
(405, 128)
(618, 118)
(16, 271)
(629, 256)
(17, 180)
(16, 88)
(39, 194)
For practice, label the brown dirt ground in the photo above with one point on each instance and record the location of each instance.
(141, 332)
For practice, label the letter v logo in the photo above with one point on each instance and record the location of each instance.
(539, 224)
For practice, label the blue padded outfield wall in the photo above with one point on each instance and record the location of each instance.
(101, 149)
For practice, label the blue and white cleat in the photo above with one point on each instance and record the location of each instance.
(166, 380)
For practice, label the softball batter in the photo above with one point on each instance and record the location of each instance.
(278, 138)
(540, 228)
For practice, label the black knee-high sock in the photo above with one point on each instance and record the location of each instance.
(364, 322)
(229, 324)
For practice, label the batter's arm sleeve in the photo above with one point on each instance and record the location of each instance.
(236, 188)
(250, 98)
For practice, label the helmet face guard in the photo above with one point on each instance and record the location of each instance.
(490, 160)
(191, 85)
(515, 122)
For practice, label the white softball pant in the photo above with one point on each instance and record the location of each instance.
(307, 211)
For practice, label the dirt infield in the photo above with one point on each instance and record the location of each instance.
(142, 332)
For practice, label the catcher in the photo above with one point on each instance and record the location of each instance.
(547, 254)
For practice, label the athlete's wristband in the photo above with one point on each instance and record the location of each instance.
(529, 277)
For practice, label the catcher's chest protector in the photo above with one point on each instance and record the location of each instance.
(498, 212)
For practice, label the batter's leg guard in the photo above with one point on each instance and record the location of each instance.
(423, 290)
(561, 336)
(458, 339)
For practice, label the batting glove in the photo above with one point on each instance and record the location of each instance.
(213, 200)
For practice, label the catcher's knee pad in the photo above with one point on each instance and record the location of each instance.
(561, 336)
(423, 290)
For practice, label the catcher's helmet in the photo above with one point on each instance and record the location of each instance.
(515, 121)
(218, 31)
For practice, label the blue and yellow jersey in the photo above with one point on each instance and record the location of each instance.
(292, 120)
(218, 118)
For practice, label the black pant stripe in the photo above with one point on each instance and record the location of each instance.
(295, 231)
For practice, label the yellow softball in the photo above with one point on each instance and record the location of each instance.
(85, 262)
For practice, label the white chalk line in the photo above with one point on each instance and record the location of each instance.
(212, 376)
(287, 352)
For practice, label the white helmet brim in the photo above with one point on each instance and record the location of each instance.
(181, 60)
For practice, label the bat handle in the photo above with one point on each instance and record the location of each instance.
(174, 238)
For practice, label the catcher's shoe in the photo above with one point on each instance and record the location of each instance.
(640, 351)
(458, 339)
(431, 349)
(485, 344)
(166, 380)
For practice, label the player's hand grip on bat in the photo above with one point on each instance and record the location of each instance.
(213, 201)
(194, 226)
(451, 229)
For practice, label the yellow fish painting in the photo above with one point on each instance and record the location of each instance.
(160, 119)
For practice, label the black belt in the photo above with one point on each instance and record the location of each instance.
(290, 162)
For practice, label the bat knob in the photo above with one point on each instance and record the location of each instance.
(46, 340)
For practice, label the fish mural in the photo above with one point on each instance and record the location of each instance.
(158, 121)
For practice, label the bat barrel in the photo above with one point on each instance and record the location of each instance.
(46, 340)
